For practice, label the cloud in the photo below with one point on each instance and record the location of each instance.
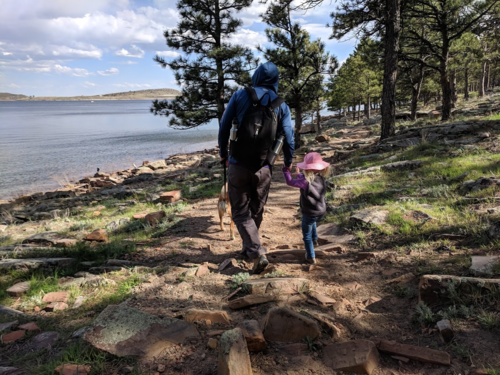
(6, 53)
(128, 62)
(168, 53)
(109, 72)
(75, 72)
(132, 85)
(248, 38)
(65, 52)
(134, 51)
(88, 84)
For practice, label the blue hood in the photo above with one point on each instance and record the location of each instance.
(266, 75)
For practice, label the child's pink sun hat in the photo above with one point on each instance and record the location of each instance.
(313, 161)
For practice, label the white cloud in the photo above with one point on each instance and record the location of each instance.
(109, 72)
(134, 51)
(6, 53)
(132, 85)
(168, 53)
(65, 52)
(75, 72)
(248, 38)
(88, 84)
(128, 62)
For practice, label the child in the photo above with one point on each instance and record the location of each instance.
(312, 197)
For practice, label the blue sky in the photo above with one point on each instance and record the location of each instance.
(88, 47)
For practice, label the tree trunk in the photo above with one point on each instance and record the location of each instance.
(359, 111)
(318, 122)
(482, 79)
(453, 87)
(466, 88)
(368, 107)
(488, 82)
(354, 112)
(415, 94)
(443, 70)
(392, 31)
(298, 124)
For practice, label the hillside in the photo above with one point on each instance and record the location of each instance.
(9, 96)
(128, 95)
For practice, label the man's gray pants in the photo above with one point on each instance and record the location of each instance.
(248, 192)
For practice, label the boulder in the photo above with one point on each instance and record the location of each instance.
(154, 165)
(445, 330)
(17, 290)
(322, 138)
(253, 334)
(484, 265)
(122, 330)
(99, 235)
(154, 218)
(402, 165)
(8, 325)
(358, 356)
(283, 324)
(44, 239)
(55, 297)
(250, 300)
(44, 340)
(56, 306)
(216, 316)
(371, 216)
(170, 196)
(233, 354)
(30, 327)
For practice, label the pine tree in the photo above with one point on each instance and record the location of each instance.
(210, 62)
(301, 62)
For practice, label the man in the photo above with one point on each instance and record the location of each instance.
(248, 181)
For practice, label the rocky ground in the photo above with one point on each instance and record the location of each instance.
(129, 272)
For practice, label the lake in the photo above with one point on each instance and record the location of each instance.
(45, 143)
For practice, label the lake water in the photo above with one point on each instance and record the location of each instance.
(42, 143)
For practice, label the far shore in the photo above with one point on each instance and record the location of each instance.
(84, 98)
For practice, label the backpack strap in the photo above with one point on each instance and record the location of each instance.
(277, 102)
(252, 94)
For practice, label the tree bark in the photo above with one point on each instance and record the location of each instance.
(318, 122)
(453, 87)
(466, 88)
(481, 80)
(392, 32)
(443, 70)
(298, 124)
(354, 112)
(415, 94)
(488, 78)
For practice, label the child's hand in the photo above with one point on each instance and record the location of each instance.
(297, 170)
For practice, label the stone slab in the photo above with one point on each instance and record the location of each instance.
(279, 285)
(33, 263)
(417, 353)
(250, 300)
(284, 324)
(123, 331)
(253, 334)
(371, 216)
(214, 316)
(358, 356)
(483, 265)
(234, 358)
(17, 290)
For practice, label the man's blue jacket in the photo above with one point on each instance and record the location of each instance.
(265, 79)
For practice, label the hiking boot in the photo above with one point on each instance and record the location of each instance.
(315, 243)
(242, 255)
(260, 264)
(310, 260)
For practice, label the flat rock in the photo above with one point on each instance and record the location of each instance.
(17, 290)
(72, 369)
(99, 235)
(12, 336)
(371, 216)
(484, 265)
(333, 328)
(417, 353)
(253, 334)
(279, 285)
(44, 340)
(170, 196)
(30, 327)
(234, 358)
(332, 233)
(122, 330)
(299, 254)
(321, 298)
(79, 302)
(56, 306)
(46, 238)
(283, 324)
(216, 316)
(358, 356)
(33, 263)
(445, 330)
(10, 371)
(55, 297)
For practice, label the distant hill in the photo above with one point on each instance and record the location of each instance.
(127, 95)
(9, 96)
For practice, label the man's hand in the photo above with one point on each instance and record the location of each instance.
(224, 160)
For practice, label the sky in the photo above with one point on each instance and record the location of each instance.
(91, 47)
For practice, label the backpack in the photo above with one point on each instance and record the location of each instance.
(257, 132)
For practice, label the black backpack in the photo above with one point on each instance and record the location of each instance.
(257, 132)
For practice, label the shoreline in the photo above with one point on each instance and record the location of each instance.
(50, 99)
